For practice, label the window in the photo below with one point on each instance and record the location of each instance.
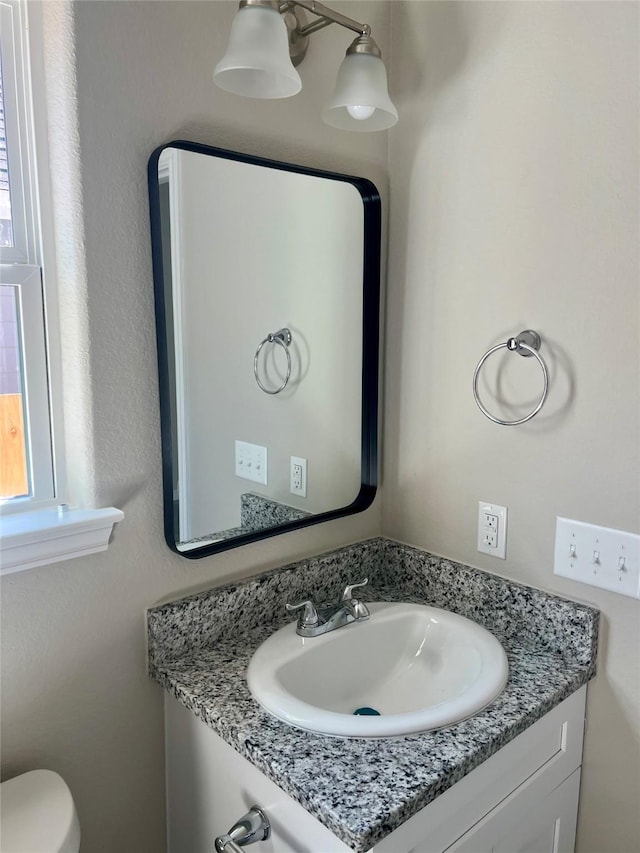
(36, 526)
(27, 476)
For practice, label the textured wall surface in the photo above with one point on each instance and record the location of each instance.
(75, 693)
(514, 204)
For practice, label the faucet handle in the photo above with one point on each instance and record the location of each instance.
(308, 619)
(347, 595)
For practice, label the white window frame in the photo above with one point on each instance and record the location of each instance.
(16, 79)
(22, 267)
(41, 529)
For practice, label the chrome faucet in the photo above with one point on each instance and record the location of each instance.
(314, 621)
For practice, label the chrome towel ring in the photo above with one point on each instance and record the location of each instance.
(527, 344)
(283, 338)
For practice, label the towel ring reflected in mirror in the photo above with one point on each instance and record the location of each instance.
(281, 338)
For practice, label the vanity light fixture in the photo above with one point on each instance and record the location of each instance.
(268, 38)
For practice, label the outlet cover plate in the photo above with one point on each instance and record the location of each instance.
(492, 529)
(598, 556)
(298, 476)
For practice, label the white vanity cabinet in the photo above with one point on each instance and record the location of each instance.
(523, 799)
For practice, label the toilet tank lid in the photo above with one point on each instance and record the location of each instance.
(38, 815)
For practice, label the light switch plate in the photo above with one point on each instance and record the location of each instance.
(598, 556)
(251, 462)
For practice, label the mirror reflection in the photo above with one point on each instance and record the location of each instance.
(267, 288)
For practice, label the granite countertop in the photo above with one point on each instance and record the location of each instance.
(200, 646)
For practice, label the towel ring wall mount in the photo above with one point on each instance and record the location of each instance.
(281, 338)
(526, 344)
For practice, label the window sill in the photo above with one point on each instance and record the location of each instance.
(46, 536)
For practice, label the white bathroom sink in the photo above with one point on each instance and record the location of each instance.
(418, 667)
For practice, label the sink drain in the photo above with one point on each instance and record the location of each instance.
(366, 712)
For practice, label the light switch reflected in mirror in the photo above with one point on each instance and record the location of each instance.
(267, 305)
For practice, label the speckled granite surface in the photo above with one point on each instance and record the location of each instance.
(256, 513)
(365, 790)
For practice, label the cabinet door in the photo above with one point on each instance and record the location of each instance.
(520, 825)
(525, 771)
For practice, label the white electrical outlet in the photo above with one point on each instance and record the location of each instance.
(298, 476)
(251, 462)
(598, 556)
(492, 529)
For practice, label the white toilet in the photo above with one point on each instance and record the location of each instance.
(38, 815)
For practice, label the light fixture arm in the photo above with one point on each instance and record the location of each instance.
(326, 16)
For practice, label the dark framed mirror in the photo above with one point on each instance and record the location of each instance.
(267, 291)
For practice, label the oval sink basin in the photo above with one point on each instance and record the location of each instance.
(409, 668)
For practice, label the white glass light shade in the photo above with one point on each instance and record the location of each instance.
(361, 99)
(257, 62)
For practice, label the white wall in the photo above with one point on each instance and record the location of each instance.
(514, 204)
(75, 694)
